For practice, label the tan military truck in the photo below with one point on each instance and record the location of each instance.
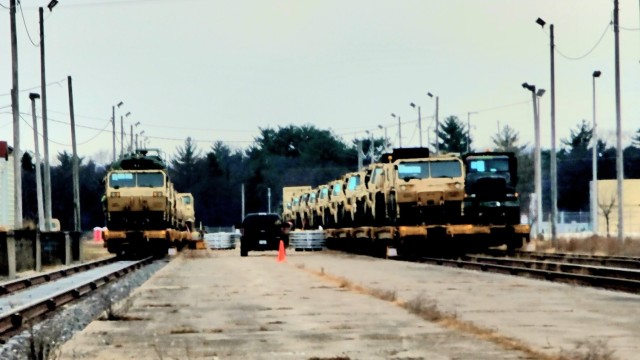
(408, 187)
(336, 203)
(425, 191)
(321, 210)
(290, 201)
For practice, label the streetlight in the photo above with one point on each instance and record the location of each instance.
(419, 122)
(122, 132)
(385, 136)
(594, 161)
(33, 97)
(141, 133)
(536, 157)
(554, 167)
(370, 136)
(399, 130)
(113, 124)
(469, 129)
(437, 124)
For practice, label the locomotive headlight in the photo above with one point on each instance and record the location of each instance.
(157, 194)
(115, 194)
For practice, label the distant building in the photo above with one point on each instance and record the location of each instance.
(608, 202)
(7, 188)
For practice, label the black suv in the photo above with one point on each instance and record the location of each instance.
(262, 231)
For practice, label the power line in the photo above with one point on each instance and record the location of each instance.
(37, 87)
(588, 52)
(25, 25)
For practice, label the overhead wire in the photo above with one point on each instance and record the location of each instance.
(588, 52)
(38, 87)
(25, 25)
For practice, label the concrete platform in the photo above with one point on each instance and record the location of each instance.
(326, 305)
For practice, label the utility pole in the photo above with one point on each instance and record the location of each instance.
(420, 125)
(469, 129)
(121, 135)
(33, 98)
(594, 161)
(437, 128)
(554, 167)
(45, 129)
(131, 143)
(113, 124)
(15, 109)
(76, 176)
(619, 159)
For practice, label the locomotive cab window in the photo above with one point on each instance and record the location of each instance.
(121, 180)
(153, 179)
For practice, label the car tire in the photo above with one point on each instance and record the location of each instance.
(244, 252)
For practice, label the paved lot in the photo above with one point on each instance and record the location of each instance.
(337, 306)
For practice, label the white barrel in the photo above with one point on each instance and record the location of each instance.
(307, 240)
(221, 240)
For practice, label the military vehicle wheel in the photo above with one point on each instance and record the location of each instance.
(379, 215)
(393, 209)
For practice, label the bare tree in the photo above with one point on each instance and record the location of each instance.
(606, 208)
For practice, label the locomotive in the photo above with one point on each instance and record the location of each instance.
(144, 213)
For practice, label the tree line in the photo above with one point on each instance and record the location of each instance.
(219, 177)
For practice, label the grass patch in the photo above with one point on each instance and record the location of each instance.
(183, 329)
(593, 245)
(589, 350)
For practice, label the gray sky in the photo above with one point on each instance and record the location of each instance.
(219, 70)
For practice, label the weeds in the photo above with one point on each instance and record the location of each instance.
(42, 343)
(387, 295)
(593, 245)
(425, 308)
(588, 350)
(113, 312)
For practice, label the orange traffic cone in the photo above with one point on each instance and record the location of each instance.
(282, 256)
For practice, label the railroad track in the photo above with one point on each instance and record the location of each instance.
(608, 277)
(30, 305)
(597, 260)
(13, 286)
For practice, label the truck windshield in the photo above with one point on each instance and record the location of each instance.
(429, 169)
(354, 181)
(496, 164)
(130, 179)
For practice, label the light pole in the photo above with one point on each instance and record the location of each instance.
(131, 134)
(33, 97)
(554, 167)
(594, 161)
(45, 127)
(122, 132)
(399, 129)
(437, 123)
(113, 123)
(469, 129)
(385, 136)
(536, 158)
(141, 133)
(419, 122)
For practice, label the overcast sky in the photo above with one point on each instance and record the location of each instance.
(220, 70)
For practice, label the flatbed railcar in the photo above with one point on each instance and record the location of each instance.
(411, 203)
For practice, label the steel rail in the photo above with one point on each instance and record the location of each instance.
(557, 275)
(15, 320)
(611, 261)
(12, 286)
